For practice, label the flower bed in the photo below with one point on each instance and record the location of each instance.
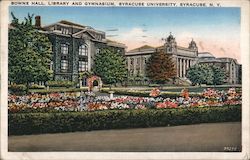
(87, 101)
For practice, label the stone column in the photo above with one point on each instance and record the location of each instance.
(128, 62)
(177, 67)
(230, 72)
(233, 70)
(134, 65)
(141, 59)
(184, 67)
(141, 65)
(180, 71)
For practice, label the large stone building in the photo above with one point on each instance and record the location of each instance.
(74, 47)
(183, 58)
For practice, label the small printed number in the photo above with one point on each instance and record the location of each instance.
(231, 149)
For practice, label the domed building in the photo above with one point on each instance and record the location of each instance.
(206, 55)
(183, 57)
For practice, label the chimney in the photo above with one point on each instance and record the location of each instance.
(38, 22)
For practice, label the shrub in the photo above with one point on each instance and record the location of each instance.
(154, 85)
(36, 86)
(17, 89)
(60, 84)
(37, 123)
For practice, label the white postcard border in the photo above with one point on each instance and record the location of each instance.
(244, 4)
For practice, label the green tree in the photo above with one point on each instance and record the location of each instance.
(200, 74)
(29, 53)
(219, 75)
(110, 66)
(160, 68)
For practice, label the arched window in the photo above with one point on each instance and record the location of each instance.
(83, 50)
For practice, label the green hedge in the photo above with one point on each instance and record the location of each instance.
(52, 90)
(61, 84)
(18, 89)
(36, 86)
(37, 123)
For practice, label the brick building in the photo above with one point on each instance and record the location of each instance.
(74, 47)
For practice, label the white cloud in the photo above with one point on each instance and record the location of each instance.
(137, 37)
(134, 34)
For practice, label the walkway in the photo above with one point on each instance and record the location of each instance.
(200, 137)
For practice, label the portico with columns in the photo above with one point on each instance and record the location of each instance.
(183, 64)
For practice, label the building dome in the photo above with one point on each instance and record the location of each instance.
(192, 43)
(205, 55)
(170, 38)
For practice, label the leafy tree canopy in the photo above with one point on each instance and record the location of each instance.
(29, 53)
(110, 66)
(160, 68)
(219, 75)
(206, 74)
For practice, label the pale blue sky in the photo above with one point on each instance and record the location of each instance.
(125, 17)
(147, 25)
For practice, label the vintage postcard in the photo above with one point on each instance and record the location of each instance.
(124, 79)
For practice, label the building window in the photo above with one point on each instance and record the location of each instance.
(97, 51)
(51, 65)
(64, 49)
(64, 65)
(138, 63)
(83, 66)
(83, 50)
(131, 72)
(132, 61)
(65, 30)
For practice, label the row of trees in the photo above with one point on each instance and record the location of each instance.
(30, 53)
(206, 74)
(111, 67)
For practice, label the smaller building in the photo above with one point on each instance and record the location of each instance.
(230, 65)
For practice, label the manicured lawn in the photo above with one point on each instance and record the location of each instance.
(199, 89)
(58, 90)
(139, 88)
